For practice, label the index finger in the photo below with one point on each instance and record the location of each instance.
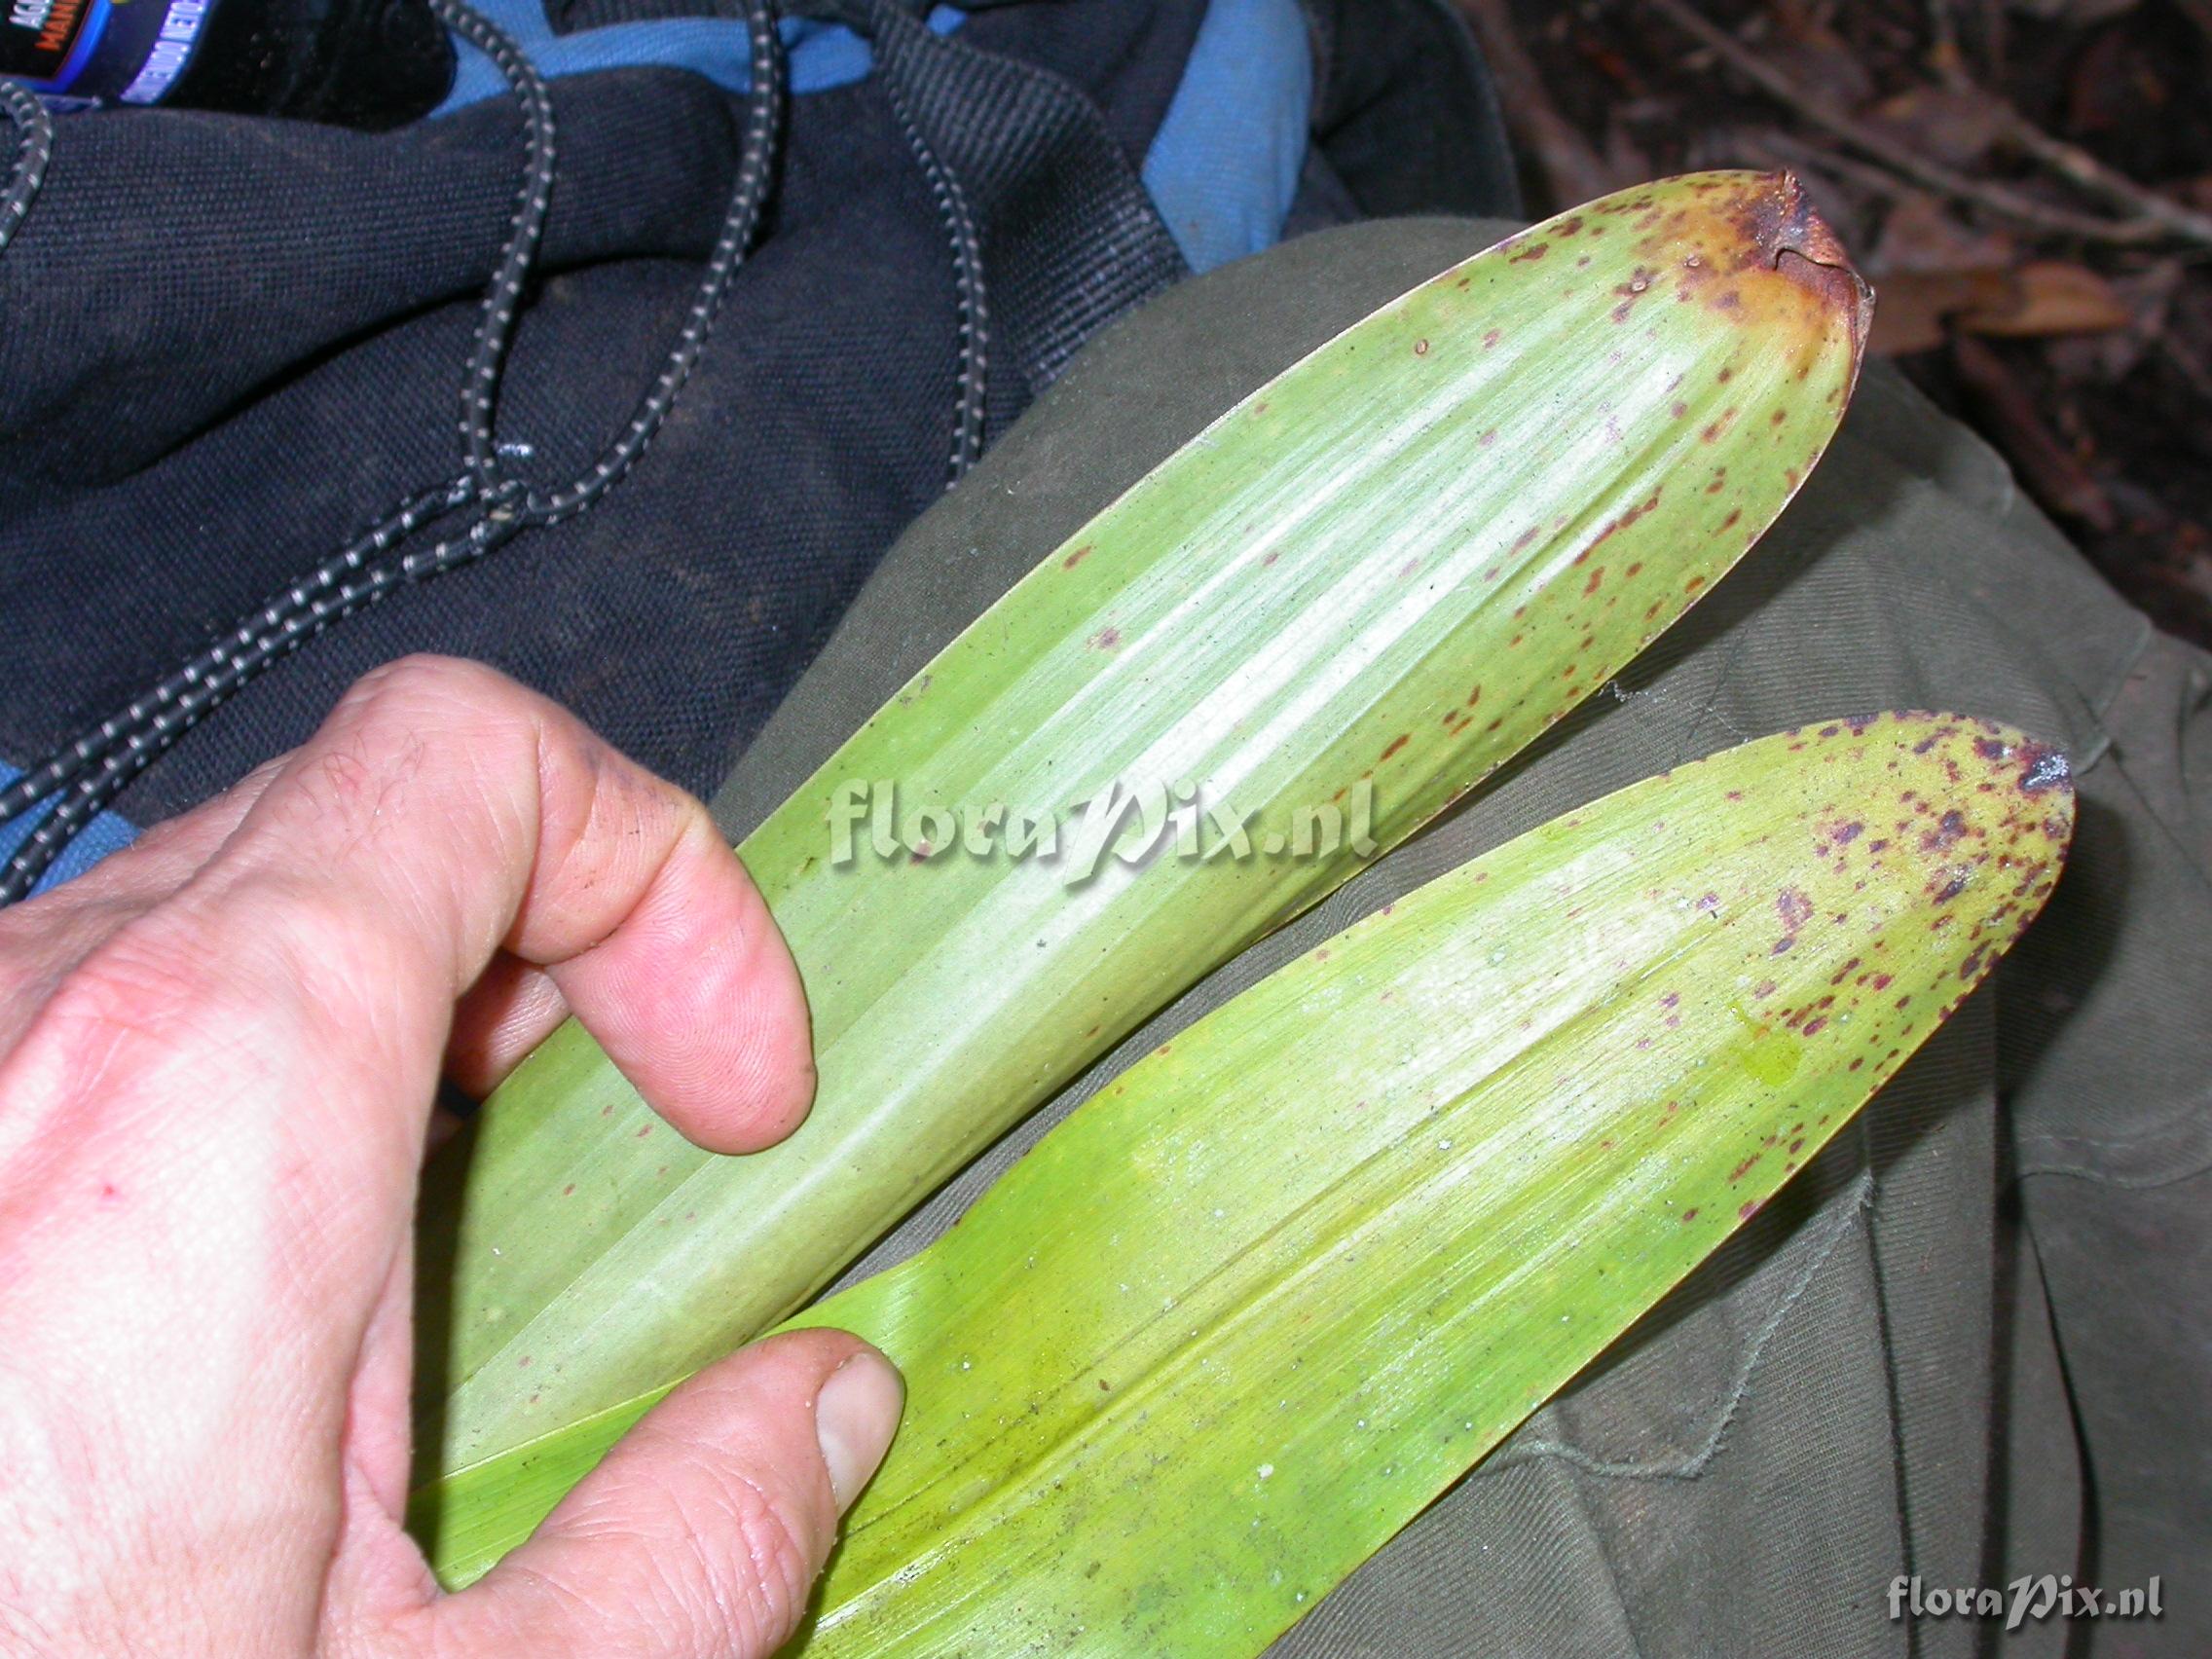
(444, 813)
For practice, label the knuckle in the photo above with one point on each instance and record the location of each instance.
(729, 1568)
(778, 1556)
(144, 973)
(711, 1567)
(393, 715)
(613, 826)
(403, 702)
(40, 937)
(425, 678)
(149, 997)
(420, 735)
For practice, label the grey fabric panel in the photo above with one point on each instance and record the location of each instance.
(1865, 1383)
(2111, 1078)
(2036, 1496)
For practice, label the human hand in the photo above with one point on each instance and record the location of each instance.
(218, 1056)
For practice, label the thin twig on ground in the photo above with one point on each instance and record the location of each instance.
(2072, 162)
(2146, 228)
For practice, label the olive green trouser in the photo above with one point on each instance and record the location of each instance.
(1970, 1340)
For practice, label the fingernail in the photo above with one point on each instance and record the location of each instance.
(855, 1417)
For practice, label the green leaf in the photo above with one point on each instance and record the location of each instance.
(1241, 1316)
(1367, 584)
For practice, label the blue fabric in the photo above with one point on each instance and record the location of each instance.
(1226, 162)
(1222, 169)
(822, 54)
(105, 834)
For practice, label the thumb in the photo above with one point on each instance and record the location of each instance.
(700, 1534)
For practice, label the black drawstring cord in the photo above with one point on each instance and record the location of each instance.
(533, 197)
(479, 398)
(88, 773)
(34, 148)
(749, 202)
(967, 284)
(280, 625)
(880, 21)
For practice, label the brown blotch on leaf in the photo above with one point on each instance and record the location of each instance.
(1948, 832)
(1076, 558)
(1396, 743)
(1790, 238)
